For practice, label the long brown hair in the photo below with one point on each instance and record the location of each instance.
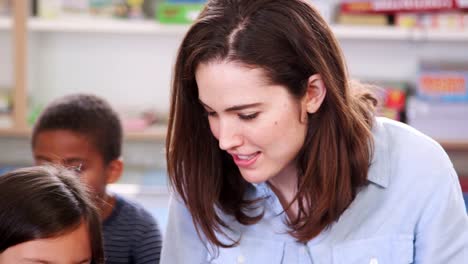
(290, 41)
(46, 202)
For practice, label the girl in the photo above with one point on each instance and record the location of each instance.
(46, 216)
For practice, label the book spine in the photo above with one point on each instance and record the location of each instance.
(449, 86)
(394, 6)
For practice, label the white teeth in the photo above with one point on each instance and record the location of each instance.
(246, 157)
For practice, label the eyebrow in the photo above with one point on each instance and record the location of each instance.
(73, 160)
(40, 157)
(34, 260)
(236, 107)
(66, 161)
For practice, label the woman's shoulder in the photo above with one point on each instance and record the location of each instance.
(402, 140)
(408, 155)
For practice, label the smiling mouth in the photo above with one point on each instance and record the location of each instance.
(245, 160)
(246, 157)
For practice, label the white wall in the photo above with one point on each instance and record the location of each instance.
(6, 59)
(128, 70)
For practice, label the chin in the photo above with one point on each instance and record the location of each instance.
(254, 178)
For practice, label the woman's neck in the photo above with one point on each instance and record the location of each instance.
(284, 185)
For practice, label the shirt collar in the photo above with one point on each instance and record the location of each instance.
(379, 170)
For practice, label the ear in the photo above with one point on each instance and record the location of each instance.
(114, 170)
(314, 96)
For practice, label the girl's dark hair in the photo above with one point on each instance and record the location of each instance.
(45, 202)
(290, 41)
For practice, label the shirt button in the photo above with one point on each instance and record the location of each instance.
(240, 259)
(373, 261)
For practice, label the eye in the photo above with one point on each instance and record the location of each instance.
(78, 169)
(248, 117)
(210, 113)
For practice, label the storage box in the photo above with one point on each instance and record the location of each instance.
(178, 13)
(439, 120)
(443, 82)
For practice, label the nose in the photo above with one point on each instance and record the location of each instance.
(229, 136)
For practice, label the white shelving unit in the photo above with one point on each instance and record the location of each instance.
(116, 26)
(93, 25)
(97, 25)
(371, 32)
(5, 23)
(454, 35)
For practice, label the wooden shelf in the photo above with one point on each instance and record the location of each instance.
(454, 145)
(157, 133)
(153, 134)
(15, 133)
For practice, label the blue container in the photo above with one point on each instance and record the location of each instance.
(465, 195)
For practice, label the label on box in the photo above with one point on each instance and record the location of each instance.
(445, 86)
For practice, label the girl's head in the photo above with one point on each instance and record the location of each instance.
(261, 92)
(46, 216)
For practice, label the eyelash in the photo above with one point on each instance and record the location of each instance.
(241, 116)
(248, 117)
(210, 113)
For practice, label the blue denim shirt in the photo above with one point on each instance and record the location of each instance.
(412, 211)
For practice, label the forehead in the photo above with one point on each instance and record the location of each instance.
(64, 143)
(72, 247)
(231, 83)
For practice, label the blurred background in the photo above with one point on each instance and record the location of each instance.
(123, 51)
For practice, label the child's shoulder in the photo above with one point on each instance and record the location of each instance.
(131, 229)
(130, 213)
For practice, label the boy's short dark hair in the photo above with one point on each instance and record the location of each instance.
(88, 115)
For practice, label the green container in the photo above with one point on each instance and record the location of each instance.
(178, 13)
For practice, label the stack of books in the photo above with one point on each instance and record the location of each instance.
(440, 14)
(440, 106)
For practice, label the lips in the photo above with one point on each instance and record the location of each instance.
(245, 161)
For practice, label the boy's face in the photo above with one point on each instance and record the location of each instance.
(73, 150)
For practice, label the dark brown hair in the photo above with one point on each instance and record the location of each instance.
(290, 41)
(87, 115)
(45, 202)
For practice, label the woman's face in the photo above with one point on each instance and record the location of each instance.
(71, 248)
(256, 122)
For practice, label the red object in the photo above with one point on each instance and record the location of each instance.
(464, 184)
(395, 99)
(394, 6)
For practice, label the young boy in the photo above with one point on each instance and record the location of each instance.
(84, 133)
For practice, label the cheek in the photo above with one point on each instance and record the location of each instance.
(93, 181)
(283, 131)
(87, 180)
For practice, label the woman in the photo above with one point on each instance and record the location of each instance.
(46, 216)
(276, 157)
